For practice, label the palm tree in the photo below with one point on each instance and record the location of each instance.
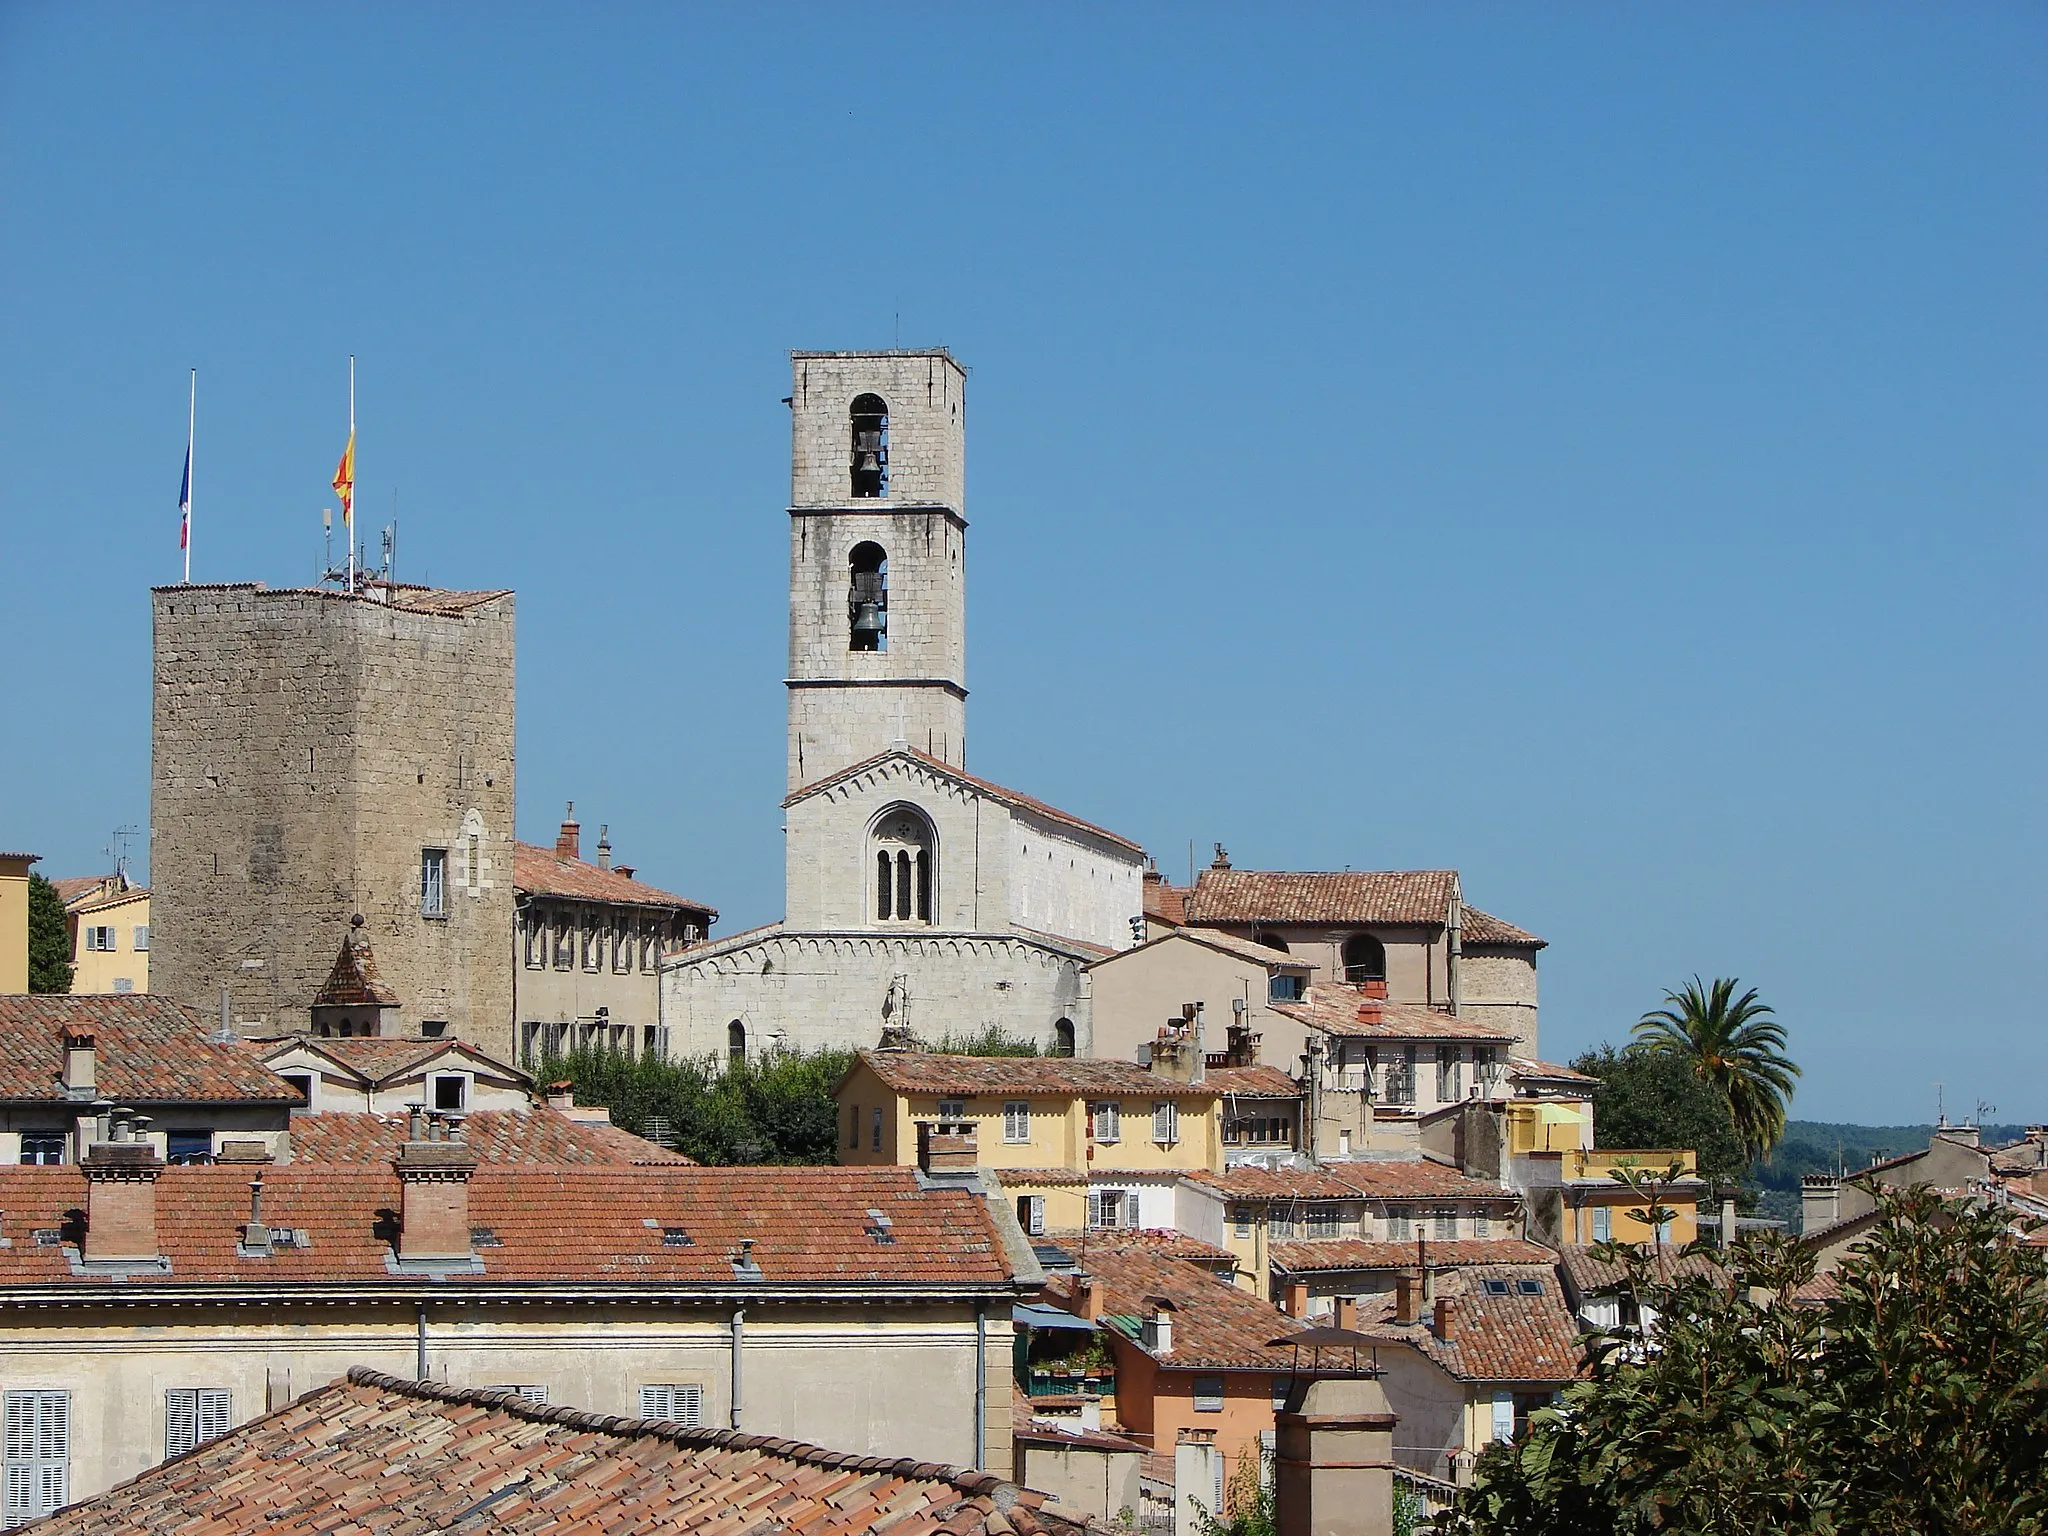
(1731, 1044)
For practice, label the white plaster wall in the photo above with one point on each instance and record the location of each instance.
(1066, 882)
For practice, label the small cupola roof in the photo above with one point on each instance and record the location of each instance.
(354, 982)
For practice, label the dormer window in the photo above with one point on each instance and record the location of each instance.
(905, 862)
(867, 598)
(870, 447)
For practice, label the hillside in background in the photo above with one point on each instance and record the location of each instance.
(1816, 1146)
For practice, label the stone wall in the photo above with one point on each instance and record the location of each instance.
(926, 392)
(1498, 987)
(306, 748)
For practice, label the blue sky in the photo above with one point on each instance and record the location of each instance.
(1595, 448)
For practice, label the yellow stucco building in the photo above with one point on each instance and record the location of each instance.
(108, 919)
(14, 920)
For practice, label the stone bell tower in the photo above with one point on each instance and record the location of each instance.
(877, 558)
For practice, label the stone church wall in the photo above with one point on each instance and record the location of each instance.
(1067, 882)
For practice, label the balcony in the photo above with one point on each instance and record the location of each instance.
(1598, 1167)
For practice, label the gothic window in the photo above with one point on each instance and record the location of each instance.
(1365, 959)
(1063, 1038)
(870, 445)
(736, 1043)
(905, 864)
(867, 598)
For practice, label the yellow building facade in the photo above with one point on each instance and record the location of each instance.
(14, 920)
(109, 924)
(1601, 1207)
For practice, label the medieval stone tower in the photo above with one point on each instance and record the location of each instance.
(877, 558)
(315, 755)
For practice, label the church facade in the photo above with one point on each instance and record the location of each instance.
(917, 895)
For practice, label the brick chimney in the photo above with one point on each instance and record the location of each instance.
(569, 840)
(1407, 1296)
(1178, 1050)
(1445, 1325)
(1333, 1470)
(947, 1148)
(433, 1178)
(120, 1198)
(604, 845)
(81, 1065)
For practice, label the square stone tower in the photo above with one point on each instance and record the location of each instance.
(877, 558)
(315, 755)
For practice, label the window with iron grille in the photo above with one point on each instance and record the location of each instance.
(1400, 1076)
(1323, 1220)
(38, 1455)
(193, 1416)
(681, 1402)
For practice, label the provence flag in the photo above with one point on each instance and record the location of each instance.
(185, 503)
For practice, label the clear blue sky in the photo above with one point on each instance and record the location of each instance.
(1595, 447)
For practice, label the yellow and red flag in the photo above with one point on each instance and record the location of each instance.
(345, 478)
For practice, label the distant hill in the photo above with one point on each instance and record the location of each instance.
(1818, 1146)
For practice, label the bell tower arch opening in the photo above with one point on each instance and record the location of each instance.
(870, 447)
(867, 598)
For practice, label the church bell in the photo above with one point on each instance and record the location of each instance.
(868, 618)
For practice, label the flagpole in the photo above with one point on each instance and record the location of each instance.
(350, 510)
(191, 424)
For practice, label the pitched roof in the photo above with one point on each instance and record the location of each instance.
(1340, 1008)
(542, 872)
(1164, 901)
(1519, 1336)
(71, 887)
(1419, 1179)
(1546, 1071)
(968, 1076)
(1362, 896)
(354, 982)
(148, 1050)
(1249, 1181)
(1159, 1242)
(1477, 927)
(411, 1458)
(1225, 943)
(1253, 1082)
(1589, 1276)
(587, 1226)
(993, 790)
(1330, 1253)
(1215, 1324)
(495, 1136)
(379, 1059)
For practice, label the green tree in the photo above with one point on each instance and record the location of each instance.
(1914, 1400)
(1651, 1099)
(775, 1110)
(49, 938)
(1735, 1047)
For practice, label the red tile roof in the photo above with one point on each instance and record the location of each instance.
(929, 1072)
(354, 982)
(1477, 927)
(1253, 1082)
(1216, 1326)
(71, 887)
(1224, 942)
(1165, 902)
(148, 1050)
(542, 872)
(1518, 1337)
(1329, 1253)
(1052, 1178)
(1160, 1242)
(1419, 1179)
(1333, 1007)
(1271, 896)
(375, 1452)
(1590, 1276)
(993, 790)
(1251, 1182)
(496, 1136)
(1529, 1067)
(378, 1059)
(588, 1226)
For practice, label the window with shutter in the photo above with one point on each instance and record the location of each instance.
(1603, 1224)
(38, 1454)
(1166, 1122)
(1503, 1415)
(1035, 1216)
(681, 1402)
(1208, 1394)
(1108, 1121)
(193, 1416)
(1017, 1121)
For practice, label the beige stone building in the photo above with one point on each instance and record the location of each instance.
(589, 939)
(108, 917)
(318, 755)
(145, 1309)
(14, 871)
(917, 895)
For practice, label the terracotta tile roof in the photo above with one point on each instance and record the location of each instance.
(929, 1072)
(379, 1059)
(1029, 1431)
(1062, 941)
(33, 858)
(97, 893)
(1165, 902)
(71, 887)
(1270, 896)
(408, 1458)
(1227, 943)
(1330, 1253)
(1334, 1008)
(1550, 1071)
(1477, 927)
(1216, 1326)
(1520, 1336)
(993, 790)
(1251, 1182)
(1160, 1242)
(1253, 1082)
(354, 982)
(148, 1050)
(1419, 1179)
(590, 1226)
(497, 1136)
(542, 872)
(1590, 1276)
(1055, 1178)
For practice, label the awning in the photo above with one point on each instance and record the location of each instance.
(1033, 1316)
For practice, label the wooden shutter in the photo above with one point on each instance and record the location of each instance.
(1094, 1209)
(1036, 1209)
(682, 1402)
(214, 1414)
(1166, 1122)
(38, 1459)
(181, 1421)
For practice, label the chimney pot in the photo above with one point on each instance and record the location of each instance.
(1429, 1285)
(604, 845)
(561, 1095)
(1347, 1313)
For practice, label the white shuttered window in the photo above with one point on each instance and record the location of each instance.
(681, 1401)
(1166, 1122)
(1017, 1121)
(38, 1444)
(193, 1416)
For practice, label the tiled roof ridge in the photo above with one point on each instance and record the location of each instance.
(1488, 929)
(987, 786)
(641, 894)
(506, 1400)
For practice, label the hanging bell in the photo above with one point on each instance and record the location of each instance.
(869, 619)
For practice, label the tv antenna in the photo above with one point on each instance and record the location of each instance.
(119, 852)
